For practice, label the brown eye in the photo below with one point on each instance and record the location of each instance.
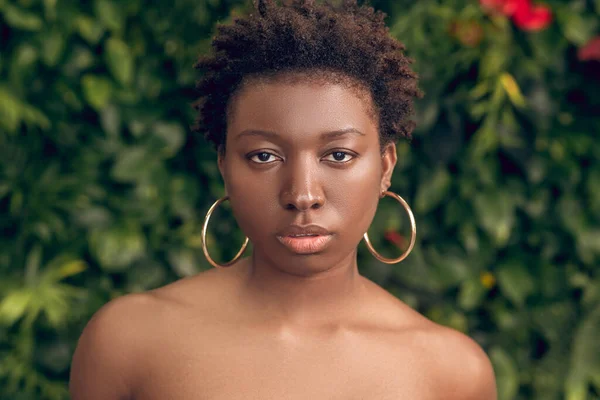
(263, 157)
(341, 156)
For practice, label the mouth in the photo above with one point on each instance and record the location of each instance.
(306, 239)
(305, 244)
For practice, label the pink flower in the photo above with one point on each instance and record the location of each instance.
(532, 18)
(590, 51)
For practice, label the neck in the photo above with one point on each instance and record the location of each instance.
(315, 298)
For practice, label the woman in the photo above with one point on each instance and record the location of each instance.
(304, 103)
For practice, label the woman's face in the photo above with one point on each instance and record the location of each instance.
(281, 168)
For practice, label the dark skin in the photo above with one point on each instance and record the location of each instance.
(278, 325)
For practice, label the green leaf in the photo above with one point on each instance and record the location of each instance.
(89, 29)
(132, 164)
(449, 270)
(183, 262)
(145, 275)
(97, 90)
(507, 376)
(116, 248)
(515, 281)
(55, 355)
(53, 301)
(471, 293)
(578, 28)
(495, 212)
(53, 48)
(110, 119)
(555, 320)
(61, 267)
(33, 116)
(110, 14)
(50, 9)
(486, 138)
(494, 61)
(481, 89)
(119, 60)
(585, 357)
(79, 59)
(10, 111)
(32, 264)
(71, 268)
(171, 134)
(432, 191)
(588, 245)
(20, 19)
(23, 61)
(14, 306)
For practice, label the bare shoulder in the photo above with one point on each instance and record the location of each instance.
(453, 363)
(107, 353)
(462, 367)
(114, 345)
(456, 365)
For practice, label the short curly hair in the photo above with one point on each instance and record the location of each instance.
(302, 36)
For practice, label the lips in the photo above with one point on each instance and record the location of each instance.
(306, 239)
(297, 230)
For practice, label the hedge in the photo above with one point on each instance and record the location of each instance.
(103, 188)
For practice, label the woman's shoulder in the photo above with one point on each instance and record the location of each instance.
(115, 341)
(459, 364)
(451, 361)
(134, 318)
(106, 356)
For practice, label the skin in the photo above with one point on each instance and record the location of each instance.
(277, 325)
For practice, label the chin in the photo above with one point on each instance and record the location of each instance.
(306, 264)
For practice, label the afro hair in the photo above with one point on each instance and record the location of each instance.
(310, 38)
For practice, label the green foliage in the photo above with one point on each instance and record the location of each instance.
(103, 191)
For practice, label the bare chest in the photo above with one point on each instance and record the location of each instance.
(252, 366)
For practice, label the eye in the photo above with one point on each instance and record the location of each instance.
(262, 156)
(339, 156)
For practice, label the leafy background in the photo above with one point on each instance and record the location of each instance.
(103, 190)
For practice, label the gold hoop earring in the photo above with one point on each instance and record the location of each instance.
(205, 226)
(413, 227)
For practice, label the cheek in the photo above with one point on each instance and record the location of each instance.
(354, 196)
(254, 203)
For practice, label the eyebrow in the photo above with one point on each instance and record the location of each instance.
(323, 136)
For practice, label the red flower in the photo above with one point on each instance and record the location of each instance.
(590, 51)
(394, 237)
(533, 18)
(504, 7)
(525, 15)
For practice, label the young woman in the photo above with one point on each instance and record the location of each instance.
(304, 103)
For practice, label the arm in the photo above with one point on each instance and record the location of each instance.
(104, 362)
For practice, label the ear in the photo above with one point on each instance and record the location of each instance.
(388, 163)
(221, 165)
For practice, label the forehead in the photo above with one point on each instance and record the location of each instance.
(300, 106)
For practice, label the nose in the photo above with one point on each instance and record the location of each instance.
(302, 189)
